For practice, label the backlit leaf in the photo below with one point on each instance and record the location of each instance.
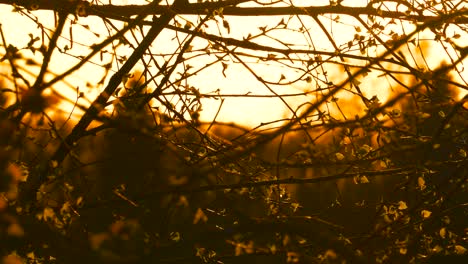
(426, 213)
(402, 205)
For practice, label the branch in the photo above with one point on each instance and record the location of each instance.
(230, 8)
(237, 186)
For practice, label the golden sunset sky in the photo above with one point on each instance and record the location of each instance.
(238, 80)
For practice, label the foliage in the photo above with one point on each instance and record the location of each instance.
(368, 165)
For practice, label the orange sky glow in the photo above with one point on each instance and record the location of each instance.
(261, 105)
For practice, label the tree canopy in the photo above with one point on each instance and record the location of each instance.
(122, 141)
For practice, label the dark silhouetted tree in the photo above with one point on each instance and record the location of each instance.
(109, 155)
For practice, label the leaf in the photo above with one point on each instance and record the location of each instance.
(48, 214)
(19, 172)
(383, 164)
(218, 12)
(339, 156)
(271, 56)
(200, 216)
(365, 72)
(355, 82)
(31, 255)
(364, 149)
(364, 179)
(226, 26)
(188, 25)
(54, 164)
(426, 213)
(272, 248)
(225, 66)
(79, 201)
(282, 77)
(360, 179)
(421, 183)
(460, 250)
(402, 205)
(281, 23)
(174, 236)
(295, 206)
(437, 249)
(442, 232)
(462, 153)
